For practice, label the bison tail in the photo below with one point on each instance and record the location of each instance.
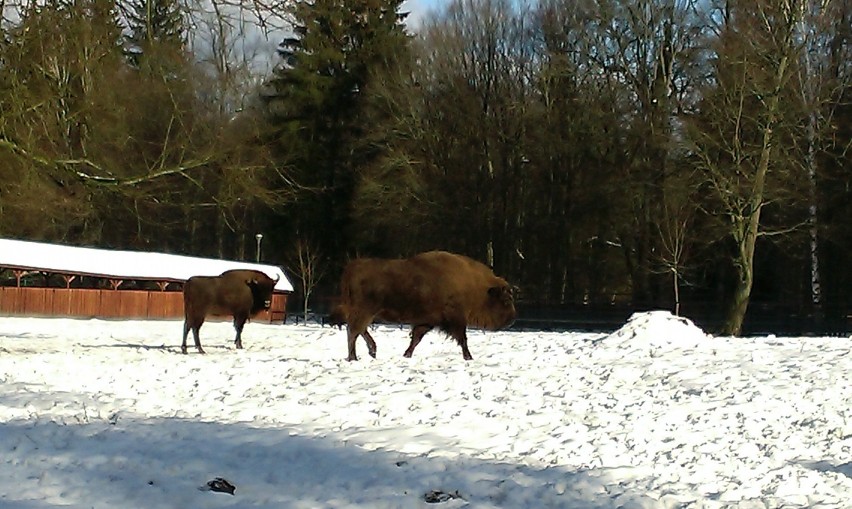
(337, 316)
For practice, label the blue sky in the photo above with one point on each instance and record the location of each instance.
(419, 8)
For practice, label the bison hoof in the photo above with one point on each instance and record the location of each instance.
(352, 358)
(407, 355)
(468, 357)
(373, 354)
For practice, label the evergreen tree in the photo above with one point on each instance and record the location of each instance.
(153, 23)
(318, 105)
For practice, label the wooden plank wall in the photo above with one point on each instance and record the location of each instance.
(88, 303)
(277, 311)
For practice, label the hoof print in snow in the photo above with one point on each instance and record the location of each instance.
(219, 485)
(438, 496)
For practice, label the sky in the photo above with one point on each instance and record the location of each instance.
(654, 415)
(419, 9)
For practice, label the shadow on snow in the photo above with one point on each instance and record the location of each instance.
(141, 462)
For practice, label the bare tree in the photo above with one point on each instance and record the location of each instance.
(819, 90)
(738, 147)
(675, 230)
(311, 268)
(480, 57)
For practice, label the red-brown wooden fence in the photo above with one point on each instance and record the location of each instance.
(93, 303)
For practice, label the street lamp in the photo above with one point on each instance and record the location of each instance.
(259, 237)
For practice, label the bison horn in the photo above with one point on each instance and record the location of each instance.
(277, 277)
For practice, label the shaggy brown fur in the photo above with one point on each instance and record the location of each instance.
(239, 293)
(436, 289)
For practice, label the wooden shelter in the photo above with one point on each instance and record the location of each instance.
(56, 280)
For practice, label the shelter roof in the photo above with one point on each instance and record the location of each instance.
(108, 263)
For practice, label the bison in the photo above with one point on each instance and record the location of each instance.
(431, 290)
(239, 293)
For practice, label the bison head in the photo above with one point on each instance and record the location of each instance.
(501, 306)
(261, 292)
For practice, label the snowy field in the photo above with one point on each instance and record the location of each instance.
(108, 414)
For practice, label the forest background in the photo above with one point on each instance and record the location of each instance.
(691, 155)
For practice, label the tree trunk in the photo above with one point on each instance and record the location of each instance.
(306, 306)
(748, 228)
(749, 225)
(676, 292)
(742, 289)
(810, 99)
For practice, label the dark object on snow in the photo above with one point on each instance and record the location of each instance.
(429, 290)
(438, 496)
(239, 293)
(221, 485)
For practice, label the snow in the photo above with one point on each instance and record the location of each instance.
(657, 414)
(59, 258)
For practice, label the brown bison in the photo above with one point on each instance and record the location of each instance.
(429, 290)
(239, 293)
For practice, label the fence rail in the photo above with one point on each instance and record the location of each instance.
(761, 319)
(104, 303)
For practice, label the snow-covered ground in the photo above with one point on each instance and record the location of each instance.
(108, 414)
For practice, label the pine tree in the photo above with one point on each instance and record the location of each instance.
(153, 23)
(319, 101)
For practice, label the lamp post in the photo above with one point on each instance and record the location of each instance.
(259, 237)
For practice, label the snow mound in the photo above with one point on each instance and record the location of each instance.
(658, 329)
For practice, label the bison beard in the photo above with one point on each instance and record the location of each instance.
(239, 293)
(430, 290)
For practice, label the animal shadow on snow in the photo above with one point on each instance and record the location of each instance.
(825, 466)
(140, 346)
(29, 335)
(157, 462)
(163, 347)
(23, 347)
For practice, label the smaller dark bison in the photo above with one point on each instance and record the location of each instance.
(431, 290)
(239, 293)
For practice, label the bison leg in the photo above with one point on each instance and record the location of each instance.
(351, 336)
(371, 344)
(185, 333)
(460, 335)
(186, 328)
(357, 326)
(239, 323)
(417, 333)
(197, 340)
